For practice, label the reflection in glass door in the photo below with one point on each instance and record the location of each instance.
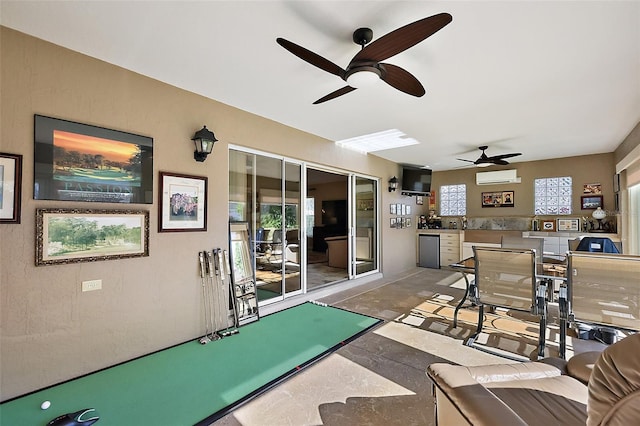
(364, 246)
(259, 195)
(293, 246)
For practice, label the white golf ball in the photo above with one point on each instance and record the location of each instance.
(45, 405)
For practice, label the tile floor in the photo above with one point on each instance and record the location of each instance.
(379, 378)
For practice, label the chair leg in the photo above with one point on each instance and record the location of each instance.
(542, 337)
(563, 306)
(459, 305)
(474, 336)
(541, 309)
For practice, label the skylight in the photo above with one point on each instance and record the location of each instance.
(386, 139)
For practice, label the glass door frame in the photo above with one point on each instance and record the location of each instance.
(302, 226)
(353, 210)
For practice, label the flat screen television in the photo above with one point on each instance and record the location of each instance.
(415, 181)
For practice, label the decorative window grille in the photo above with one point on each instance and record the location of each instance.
(552, 196)
(453, 200)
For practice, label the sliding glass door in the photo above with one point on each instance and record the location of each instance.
(310, 227)
(364, 238)
(265, 192)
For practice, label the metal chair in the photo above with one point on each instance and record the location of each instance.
(602, 290)
(536, 244)
(277, 245)
(506, 278)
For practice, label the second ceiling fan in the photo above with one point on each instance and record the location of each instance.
(484, 160)
(367, 63)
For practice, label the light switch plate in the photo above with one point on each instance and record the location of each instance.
(91, 285)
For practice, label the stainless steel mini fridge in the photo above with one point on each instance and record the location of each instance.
(429, 251)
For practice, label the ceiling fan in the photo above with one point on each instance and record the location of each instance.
(366, 64)
(484, 160)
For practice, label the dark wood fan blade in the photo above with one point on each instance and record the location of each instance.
(403, 38)
(469, 161)
(335, 94)
(312, 58)
(503, 156)
(401, 79)
(499, 162)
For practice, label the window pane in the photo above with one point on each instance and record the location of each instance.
(453, 200)
(552, 195)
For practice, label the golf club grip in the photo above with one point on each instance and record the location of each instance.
(202, 267)
(210, 264)
(221, 265)
(216, 262)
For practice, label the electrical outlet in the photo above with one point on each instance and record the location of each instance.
(91, 285)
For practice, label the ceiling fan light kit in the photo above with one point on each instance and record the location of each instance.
(363, 77)
(366, 66)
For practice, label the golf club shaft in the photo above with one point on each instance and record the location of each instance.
(204, 292)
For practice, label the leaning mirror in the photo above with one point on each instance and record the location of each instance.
(243, 275)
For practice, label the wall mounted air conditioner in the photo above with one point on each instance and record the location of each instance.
(497, 177)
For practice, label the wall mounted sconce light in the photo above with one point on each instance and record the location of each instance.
(203, 140)
(393, 184)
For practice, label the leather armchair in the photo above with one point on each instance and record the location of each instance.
(541, 393)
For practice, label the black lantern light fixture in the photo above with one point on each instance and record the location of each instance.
(393, 184)
(203, 140)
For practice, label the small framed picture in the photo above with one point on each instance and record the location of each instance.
(591, 202)
(568, 224)
(403, 209)
(392, 208)
(548, 225)
(392, 223)
(419, 200)
(10, 187)
(182, 203)
(592, 188)
(408, 209)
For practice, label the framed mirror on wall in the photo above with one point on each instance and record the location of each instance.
(243, 279)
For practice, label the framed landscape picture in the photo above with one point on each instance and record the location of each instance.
(79, 235)
(10, 187)
(80, 162)
(591, 202)
(182, 203)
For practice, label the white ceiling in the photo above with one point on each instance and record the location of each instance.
(545, 78)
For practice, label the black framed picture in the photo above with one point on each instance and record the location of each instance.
(182, 203)
(10, 187)
(80, 162)
(498, 199)
(591, 202)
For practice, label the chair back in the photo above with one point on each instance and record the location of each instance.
(506, 277)
(604, 289)
(536, 244)
(597, 245)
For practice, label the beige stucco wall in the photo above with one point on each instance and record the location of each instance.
(51, 331)
(597, 168)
